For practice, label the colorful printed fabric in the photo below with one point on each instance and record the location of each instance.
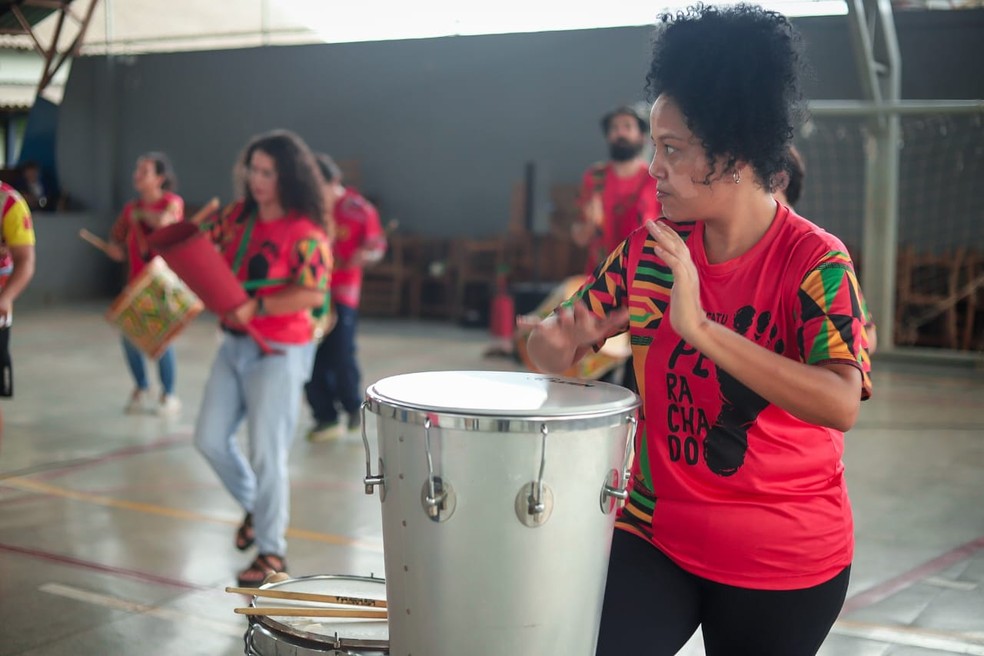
(17, 229)
(731, 487)
(292, 250)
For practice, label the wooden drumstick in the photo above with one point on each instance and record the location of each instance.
(298, 611)
(98, 242)
(203, 213)
(310, 596)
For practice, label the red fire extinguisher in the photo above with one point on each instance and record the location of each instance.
(502, 314)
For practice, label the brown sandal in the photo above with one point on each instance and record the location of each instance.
(261, 567)
(245, 536)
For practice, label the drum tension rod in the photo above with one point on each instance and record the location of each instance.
(536, 505)
(435, 494)
(371, 480)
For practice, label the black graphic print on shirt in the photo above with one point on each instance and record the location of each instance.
(727, 440)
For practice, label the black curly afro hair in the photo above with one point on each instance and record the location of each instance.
(734, 73)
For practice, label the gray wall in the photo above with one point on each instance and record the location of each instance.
(442, 127)
(67, 268)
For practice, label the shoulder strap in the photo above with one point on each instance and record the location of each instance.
(138, 234)
(243, 243)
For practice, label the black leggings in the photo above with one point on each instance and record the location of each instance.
(652, 607)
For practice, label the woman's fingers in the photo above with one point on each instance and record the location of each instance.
(668, 242)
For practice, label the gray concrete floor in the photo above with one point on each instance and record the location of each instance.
(116, 538)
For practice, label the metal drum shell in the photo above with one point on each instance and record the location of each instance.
(479, 580)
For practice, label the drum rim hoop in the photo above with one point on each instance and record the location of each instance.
(490, 423)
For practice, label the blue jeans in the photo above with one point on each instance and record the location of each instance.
(335, 376)
(166, 367)
(265, 390)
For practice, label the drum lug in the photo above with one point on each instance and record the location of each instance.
(612, 492)
(534, 504)
(438, 499)
(618, 488)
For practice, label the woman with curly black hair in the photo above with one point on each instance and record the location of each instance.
(276, 242)
(747, 338)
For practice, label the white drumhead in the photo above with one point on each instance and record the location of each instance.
(350, 631)
(501, 394)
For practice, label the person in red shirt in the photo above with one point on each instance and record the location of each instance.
(156, 206)
(275, 240)
(619, 195)
(748, 339)
(358, 240)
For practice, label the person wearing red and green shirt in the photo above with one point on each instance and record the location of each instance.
(275, 241)
(358, 240)
(748, 344)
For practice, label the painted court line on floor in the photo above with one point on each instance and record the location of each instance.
(903, 581)
(117, 603)
(55, 469)
(953, 643)
(32, 485)
(99, 567)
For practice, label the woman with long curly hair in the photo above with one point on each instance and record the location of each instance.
(275, 240)
(748, 345)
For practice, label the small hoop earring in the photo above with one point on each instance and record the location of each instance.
(737, 176)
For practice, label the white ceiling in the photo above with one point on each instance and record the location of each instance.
(135, 26)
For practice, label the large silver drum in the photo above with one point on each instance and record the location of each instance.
(314, 636)
(498, 495)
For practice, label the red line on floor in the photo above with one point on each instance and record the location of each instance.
(99, 567)
(119, 454)
(884, 590)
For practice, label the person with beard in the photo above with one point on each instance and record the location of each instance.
(276, 241)
(747, 333)
(617, 196)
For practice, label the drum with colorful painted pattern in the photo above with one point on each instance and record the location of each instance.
(154, 308)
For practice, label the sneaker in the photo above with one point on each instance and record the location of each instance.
(170, 406)
(325, 432)
(355, 422)
(136, 405)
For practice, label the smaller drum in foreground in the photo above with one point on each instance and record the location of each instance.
(311, 636)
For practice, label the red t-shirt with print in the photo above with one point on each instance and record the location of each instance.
(291, 250)
(131, 228)
(628, 202)
(356, 227)
(729, 486)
